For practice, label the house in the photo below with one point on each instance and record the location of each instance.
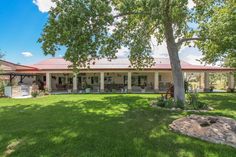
(108, 76)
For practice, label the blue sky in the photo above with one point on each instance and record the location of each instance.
(20, 27)
(22, 21)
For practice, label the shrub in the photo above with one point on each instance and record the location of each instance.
(46, 91)
(193, 100)
(169, 103)
(162, 102)
(34, 94)
(1, 88)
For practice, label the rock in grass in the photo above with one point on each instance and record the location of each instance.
(214, 129)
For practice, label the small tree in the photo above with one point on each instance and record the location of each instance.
(1, 81)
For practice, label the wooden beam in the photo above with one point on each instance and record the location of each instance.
(12, 76)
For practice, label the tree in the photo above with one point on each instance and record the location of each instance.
(217, 25)
(83, 28)
(164, 20)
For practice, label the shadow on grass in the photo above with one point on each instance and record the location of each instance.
(113, 126)
(221, 101)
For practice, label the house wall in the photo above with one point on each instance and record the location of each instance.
(28, 80)
(117, 78)
(166, 77)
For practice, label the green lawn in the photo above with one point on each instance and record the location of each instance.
(102, 125)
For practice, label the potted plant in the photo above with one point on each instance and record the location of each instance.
(211, 88)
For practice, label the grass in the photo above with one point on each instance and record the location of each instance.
(102, 126)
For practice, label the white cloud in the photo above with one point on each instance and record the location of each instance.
(159, 50)
(27, 54)
(123, 52)
(191, 4)
(44, 5)
(190, 55)
(187, 54)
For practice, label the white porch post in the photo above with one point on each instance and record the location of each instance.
(156, 82)
(75, 83)
(101, 82)
(231, 82)
(206, 82)
(48, 82)
(66, 79)
(185, 75)
(129, 81)
(201, 81)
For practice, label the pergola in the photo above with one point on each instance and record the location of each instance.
(12, 75)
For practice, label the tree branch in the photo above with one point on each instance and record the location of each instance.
(131, 13)
(187, 39)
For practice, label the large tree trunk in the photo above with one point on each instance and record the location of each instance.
(177, 74)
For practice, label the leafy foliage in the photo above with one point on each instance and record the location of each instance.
(2, 88)
(2, 84)
(34, 94)
(193, 100)
(162, 102)
(81, 27)
(217, 22)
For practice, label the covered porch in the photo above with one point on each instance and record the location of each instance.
(115, 81)
(127, 81)
(108, 82)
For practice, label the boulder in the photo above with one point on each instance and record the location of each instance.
(214, 129)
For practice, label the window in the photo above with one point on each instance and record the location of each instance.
(94, 80)
(108, 80)
(125, 80)
(61, 80)
(139, 80)
(70, 80)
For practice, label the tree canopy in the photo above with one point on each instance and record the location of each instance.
(217, 26)
(80, 27)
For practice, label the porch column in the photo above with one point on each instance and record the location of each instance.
(66, 79)
(156, 82)
(48, 82)
(185, 75)
(231, 82)
(129, 82)
(206, 82)
(101, 82)
(75, 83)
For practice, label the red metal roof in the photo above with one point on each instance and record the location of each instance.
(120, 64)
(8, 67)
